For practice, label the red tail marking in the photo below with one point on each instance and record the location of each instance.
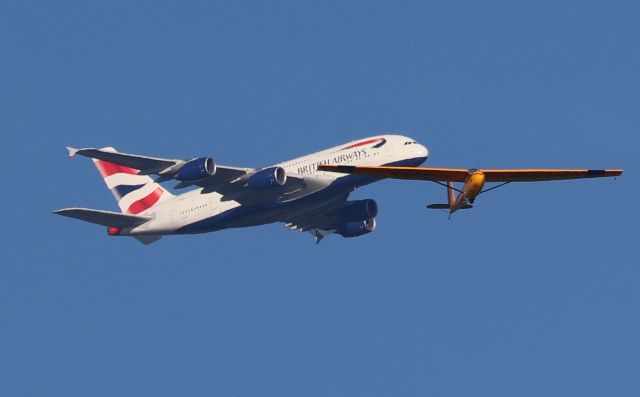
(145, 202)
(106, 169)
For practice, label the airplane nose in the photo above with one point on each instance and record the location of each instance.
(422, 151)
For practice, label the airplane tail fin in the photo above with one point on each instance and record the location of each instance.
(134, 193)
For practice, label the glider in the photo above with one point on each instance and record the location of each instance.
(473, 180)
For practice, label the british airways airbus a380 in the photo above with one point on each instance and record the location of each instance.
(294, 192)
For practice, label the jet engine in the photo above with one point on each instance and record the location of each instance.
(268, 178)
(355, 229)
(196, 169)
(359, 210)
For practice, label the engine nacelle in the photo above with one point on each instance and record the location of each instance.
(355, 229)
(268, 178)
(196, 169)
(358, 210)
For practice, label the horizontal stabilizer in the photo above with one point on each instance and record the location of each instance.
(446, 206)
(104, 218)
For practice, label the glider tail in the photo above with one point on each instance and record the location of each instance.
(451, 204)
(451, 195)
(134, 193)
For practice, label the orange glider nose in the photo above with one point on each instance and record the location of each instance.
(473, 185)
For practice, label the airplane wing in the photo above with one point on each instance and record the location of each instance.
(320, 221)
(296, 187)
(230, 182)
(142, 163)
(164, 168)
(224, 176)
(460, 175)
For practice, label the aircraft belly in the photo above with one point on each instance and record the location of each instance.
(255, 213)
(264, 213)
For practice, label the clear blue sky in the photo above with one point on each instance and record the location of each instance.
(534, 292)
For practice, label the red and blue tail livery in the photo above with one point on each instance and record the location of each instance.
(135, 193)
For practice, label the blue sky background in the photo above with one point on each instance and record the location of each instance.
(534, 292)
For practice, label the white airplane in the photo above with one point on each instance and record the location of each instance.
(294, 192)
(307, 194)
